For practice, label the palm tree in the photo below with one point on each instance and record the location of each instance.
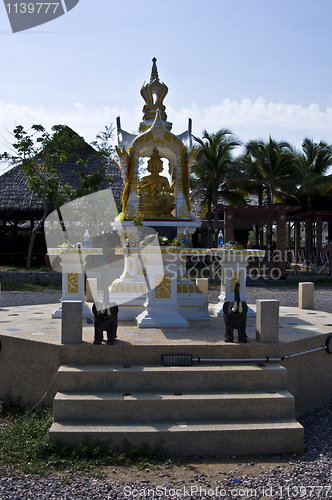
(213, 171)
(253, 179)
(270, 170)
(271, 165)
(313, 163)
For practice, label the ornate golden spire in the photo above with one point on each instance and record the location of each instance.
(153, 94)
(154, 71)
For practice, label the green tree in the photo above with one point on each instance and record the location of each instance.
(270, 167)
(214, 173)
(56, 168)
(252, 177)
(270, 171)
(313, 163)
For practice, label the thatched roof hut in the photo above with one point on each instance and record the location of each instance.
(16, 199)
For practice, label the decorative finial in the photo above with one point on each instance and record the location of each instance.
(154, 94)
(154, 72)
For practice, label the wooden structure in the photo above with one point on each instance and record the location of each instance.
(313, 225)
(236, 219)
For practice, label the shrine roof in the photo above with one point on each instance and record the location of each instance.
(313, 214)
(246, 215)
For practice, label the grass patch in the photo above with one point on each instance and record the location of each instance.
(31, 285)
(323, 282)
(25, 446)
(9, 286)
(34, 269)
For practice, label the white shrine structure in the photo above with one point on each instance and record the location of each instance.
(164, 206)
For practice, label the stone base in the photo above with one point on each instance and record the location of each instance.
(267, 321)
(161, 318)
(128, 309)
(128, 312)
(306, 295)
(193, 305)
(71, 324)
(194, 310)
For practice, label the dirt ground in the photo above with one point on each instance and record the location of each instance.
(190, 470)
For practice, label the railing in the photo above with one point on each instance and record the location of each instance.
(310, 263)
(262, 266)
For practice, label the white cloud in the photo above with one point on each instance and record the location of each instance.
(259, 119)
(247, 119)
(85, 121)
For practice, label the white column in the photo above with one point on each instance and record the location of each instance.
(72, 264)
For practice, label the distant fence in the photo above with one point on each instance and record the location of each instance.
(312, 261)
(265, 266)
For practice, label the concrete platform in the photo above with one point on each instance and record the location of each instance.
(31, 350)
(36, 324)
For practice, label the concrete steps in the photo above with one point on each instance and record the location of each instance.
(191, 438)
(208, 409)
(145, 407)
(222, 377)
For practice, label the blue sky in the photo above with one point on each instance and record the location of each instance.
(257, 67)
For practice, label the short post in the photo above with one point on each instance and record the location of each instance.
(203, 285)
(267, 321)
(306, 295)
(71, 322)
(91, 289)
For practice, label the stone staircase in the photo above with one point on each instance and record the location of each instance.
(203, 409)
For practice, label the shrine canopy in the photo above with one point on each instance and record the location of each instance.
(155, 140)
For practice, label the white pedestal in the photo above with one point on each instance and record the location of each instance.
(129, 291)
(161, 306)
(233, 270)
(72, 263)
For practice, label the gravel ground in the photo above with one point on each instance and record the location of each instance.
(308, 476)
(11, 299)
(287, 296)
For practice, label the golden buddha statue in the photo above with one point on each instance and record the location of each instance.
(155, 197)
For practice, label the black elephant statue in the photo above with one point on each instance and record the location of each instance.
(235, 317)
(105, 320)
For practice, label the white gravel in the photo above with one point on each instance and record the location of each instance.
(12, 299)
(287, 296)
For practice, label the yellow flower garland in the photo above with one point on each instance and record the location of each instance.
(130, 170)
(185, 176)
